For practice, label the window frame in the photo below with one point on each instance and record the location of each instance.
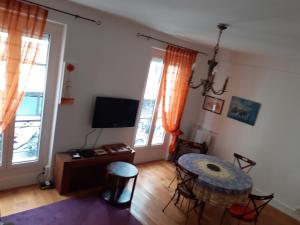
(156, 53)
(9, 133)
(56, 34)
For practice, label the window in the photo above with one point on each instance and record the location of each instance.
(26, 127)
(150, 131)
(1, 149)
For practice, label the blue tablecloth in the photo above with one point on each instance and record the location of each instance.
(223, 178)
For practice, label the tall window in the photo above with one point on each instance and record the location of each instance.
(150, 131)
(26, 127)
(1, 149)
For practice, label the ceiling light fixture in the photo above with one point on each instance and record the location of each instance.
(208, 83)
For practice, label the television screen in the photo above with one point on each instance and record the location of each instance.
(114, 112)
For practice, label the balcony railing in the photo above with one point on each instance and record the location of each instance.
(26, 140)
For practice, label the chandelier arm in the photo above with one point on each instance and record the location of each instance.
(196, 86)
(190, 82)
(205, 90)
(221, 91)
(218, 92)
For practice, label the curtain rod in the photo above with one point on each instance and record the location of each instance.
(98, 22)
(166, 42)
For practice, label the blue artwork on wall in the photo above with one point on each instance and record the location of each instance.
(243, 110)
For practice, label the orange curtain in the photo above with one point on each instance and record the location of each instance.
(21, 27)
(174, 88)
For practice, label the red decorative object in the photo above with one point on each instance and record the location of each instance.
(70, 67)
(66, 99)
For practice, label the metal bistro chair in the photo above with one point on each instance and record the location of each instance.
(243, 162)
(250, 211)
(184, 147)
(185, 185)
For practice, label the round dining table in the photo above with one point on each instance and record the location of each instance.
(219, 182)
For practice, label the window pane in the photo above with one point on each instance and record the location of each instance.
(149, 101)
(26, 140)
(27, 128)
(3, 55)
(159, 132)
(2, 75)
(172, 74)
(143, 132)
(36, 80)
(31, 105)
(42, 53)
(3, 52)
(1, 148)
(28, 120)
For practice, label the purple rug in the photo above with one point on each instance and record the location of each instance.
(85, 211)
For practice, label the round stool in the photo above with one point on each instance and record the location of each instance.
(120, 174)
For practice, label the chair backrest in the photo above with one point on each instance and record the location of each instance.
(243, 162)
(186, 146)
(256, 204)
(185, 178)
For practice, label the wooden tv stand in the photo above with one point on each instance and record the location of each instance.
(76, 174)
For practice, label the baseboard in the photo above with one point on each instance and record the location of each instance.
(148, 155)
(16, 180)
(281, 206)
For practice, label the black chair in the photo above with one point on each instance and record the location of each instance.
(249, 212)
(184, 147)
(185, 185)
(243, 162)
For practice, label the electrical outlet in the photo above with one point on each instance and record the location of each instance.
(46, 170)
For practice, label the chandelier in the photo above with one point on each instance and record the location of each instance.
(208, 83)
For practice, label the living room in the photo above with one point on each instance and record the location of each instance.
(110, 60)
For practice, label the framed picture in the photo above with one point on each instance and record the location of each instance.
(243, 110)
(213, 104)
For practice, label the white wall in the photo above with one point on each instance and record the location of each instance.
(274, 140)
(110, 61)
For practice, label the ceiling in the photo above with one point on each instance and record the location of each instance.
(257, 26)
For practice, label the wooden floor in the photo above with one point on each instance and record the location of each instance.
(152, 193)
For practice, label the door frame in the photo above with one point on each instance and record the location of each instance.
(151, 152)
(54, 78)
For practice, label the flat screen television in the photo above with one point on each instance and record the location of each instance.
(114, 112)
